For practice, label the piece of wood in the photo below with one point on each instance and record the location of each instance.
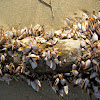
(70, 53)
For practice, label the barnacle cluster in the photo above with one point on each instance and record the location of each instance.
(59, 85)
(21, 51)
(86, 73)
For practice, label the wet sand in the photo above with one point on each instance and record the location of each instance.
(21, 91)
(21, 13)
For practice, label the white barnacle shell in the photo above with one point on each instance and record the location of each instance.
(72, 34)
(67, 74)
(95, 62)
(63, 35)
(75, 72)
(14, 31)
(44, 54)
(28, 81)
(40, 28)
(85, 84)
(52, 65)
(95, 89)
(55, 89)
(9, 34)
(87, 41)
(38, 83)
(82, 44)
(74, 66)
(92, 27)
(33, 63)
(35, 86)
(36, 27)
(55, 40)
(68, 22)
(98, 15)
(98, 52)
(95, 37)
(83, 27)
(25, 49)
(58, 32)
(7, 66)
(84, 16)
(17, 69)
(83, 36)
(35, 47)
(82, 49)
(97, 79)
(1, 72)
(48, 54)
(54, 54)
(27, 72)
(94, 16)
(49, 43)
(26, 30)
(79, 25)
(69, 36)
(96, 68)
(51, 34)
(2, 58)
(21, 49)
(30, 32)
(22, 35)
(7, 78)
(61, 92)
(86, 24)
(22, 69)
(33, 41)
(94, 74)
(55, 83)
(33, 56)
(22, 31)
(95, 49)
(11, 53)
(98, 31)
(43, 41)
(87, 64)
(78, 81)
(66, 89)
(60, 76)
(56, 61)
(63, 81)
(82, 64)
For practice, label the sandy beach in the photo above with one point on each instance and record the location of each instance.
(21, 13)
(52, 14)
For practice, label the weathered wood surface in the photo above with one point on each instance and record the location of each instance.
(70, 53)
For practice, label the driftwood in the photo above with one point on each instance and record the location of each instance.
(70, 53)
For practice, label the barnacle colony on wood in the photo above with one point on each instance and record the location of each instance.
(22, 51)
